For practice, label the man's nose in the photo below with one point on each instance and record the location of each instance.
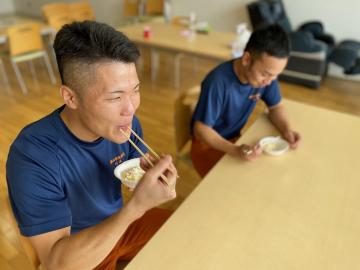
(128, 107)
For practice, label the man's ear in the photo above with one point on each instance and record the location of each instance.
(246, 59)
(71, 99)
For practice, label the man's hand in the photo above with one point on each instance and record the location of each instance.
(146, 166)
(292, 137)
(151, 191)
(246, 152)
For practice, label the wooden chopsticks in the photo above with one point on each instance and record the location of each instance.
(144, 143)
(148, 147)
(163, 177)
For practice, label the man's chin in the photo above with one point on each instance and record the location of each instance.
(119, 139)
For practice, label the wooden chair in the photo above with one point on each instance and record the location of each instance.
(3, 72)
(81, 11)
(25, 44)
(183, 109)
(30, 252)
(154, 7)
(132, 10)
(53, 9)
(59, 20)
(25, 243)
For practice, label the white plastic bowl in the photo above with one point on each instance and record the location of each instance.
(126, 165)
(274, 146)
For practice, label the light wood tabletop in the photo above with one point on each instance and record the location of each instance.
(214, 45)
(300, 210)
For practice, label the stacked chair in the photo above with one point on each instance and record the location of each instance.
(25, 44)
(143, 10)
(58, 14)
(344, 61)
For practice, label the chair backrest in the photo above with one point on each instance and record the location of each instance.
(30, 252)
(57, 21)
(82, 11)
(183, 109)
(25, 38)
(154, 7)
(53, 9)
(131, 8)
(265, 12)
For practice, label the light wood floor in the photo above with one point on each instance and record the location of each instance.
(155, 113)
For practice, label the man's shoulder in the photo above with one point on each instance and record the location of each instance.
(222, 72)
(274, 85)
(41, 136)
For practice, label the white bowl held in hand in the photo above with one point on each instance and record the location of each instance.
(129, 172)
(274, 146)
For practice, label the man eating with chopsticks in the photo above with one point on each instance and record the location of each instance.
(60, 169)
(229, 94)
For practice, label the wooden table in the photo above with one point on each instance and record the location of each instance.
(300, 210)
(214, 46)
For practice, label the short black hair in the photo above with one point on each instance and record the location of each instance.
(79, 45)
(271, 39)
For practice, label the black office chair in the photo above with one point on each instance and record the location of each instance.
(344, 61)
(310, 46)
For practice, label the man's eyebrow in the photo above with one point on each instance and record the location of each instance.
(123, 91)
(268, 73)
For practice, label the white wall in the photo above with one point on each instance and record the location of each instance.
(108, 11)
(222, 15)
(340, 17)
(6, 6)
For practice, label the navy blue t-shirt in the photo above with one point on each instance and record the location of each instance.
(225, 103)
(56, 180)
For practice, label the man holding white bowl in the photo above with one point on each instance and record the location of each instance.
(60, 169)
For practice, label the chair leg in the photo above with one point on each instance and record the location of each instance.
(32, 69)
(19, 78)
(3, 72)
(51, 48)
(49, 68)
(33, 73)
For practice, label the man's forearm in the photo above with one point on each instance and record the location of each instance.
(278, 118)
(88, 248)
(212, 138)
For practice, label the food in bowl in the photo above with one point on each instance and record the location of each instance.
(133, 174)
(129, 172)
(270, 147)
(274, 146)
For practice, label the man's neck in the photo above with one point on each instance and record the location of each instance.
(73, 123)
(240, 71)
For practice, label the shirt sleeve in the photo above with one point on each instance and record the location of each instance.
(209, 107)
(133, 153)
(272, 95)
(36, 195)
